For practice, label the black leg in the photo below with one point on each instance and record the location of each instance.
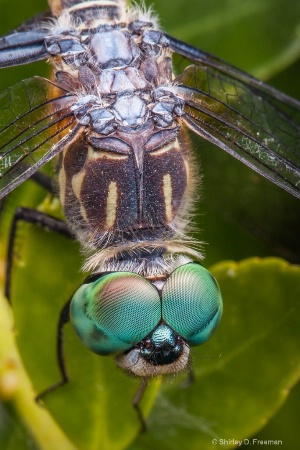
(43, 180)
(51, 223)
(189, 380)
(136, 403)
(2, 202)
(64, 318)
(30, 216)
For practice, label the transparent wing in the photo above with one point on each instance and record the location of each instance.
(252, 121)
(35, 125)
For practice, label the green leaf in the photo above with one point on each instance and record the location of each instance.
(23, 423)
(13, 434)
(244, 374)
(284, 425)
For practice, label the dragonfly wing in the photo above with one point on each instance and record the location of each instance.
(25, 44)
(35, 124)
(22, 48)
(252, 121)
(197, 56)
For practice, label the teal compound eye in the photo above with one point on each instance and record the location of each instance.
(192, 303)
(115, 312)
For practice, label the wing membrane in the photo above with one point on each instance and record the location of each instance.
(250, 120)
(35, 125)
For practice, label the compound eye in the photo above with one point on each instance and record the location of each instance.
(115, 312)
(192, 303)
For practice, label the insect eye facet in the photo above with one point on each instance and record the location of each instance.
(115, 312)
(192, 303)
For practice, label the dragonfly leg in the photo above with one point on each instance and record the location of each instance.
(44, 181)
(64, 318)
(50, 223)
(136, 403)
(30, 216)
(190, 379)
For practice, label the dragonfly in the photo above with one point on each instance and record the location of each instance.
(115, 115)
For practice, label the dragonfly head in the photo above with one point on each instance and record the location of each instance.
(149, 326)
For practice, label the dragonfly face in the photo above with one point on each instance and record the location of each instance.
(116, 117)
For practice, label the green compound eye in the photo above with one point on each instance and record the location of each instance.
(115, 312)
(192, 303)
